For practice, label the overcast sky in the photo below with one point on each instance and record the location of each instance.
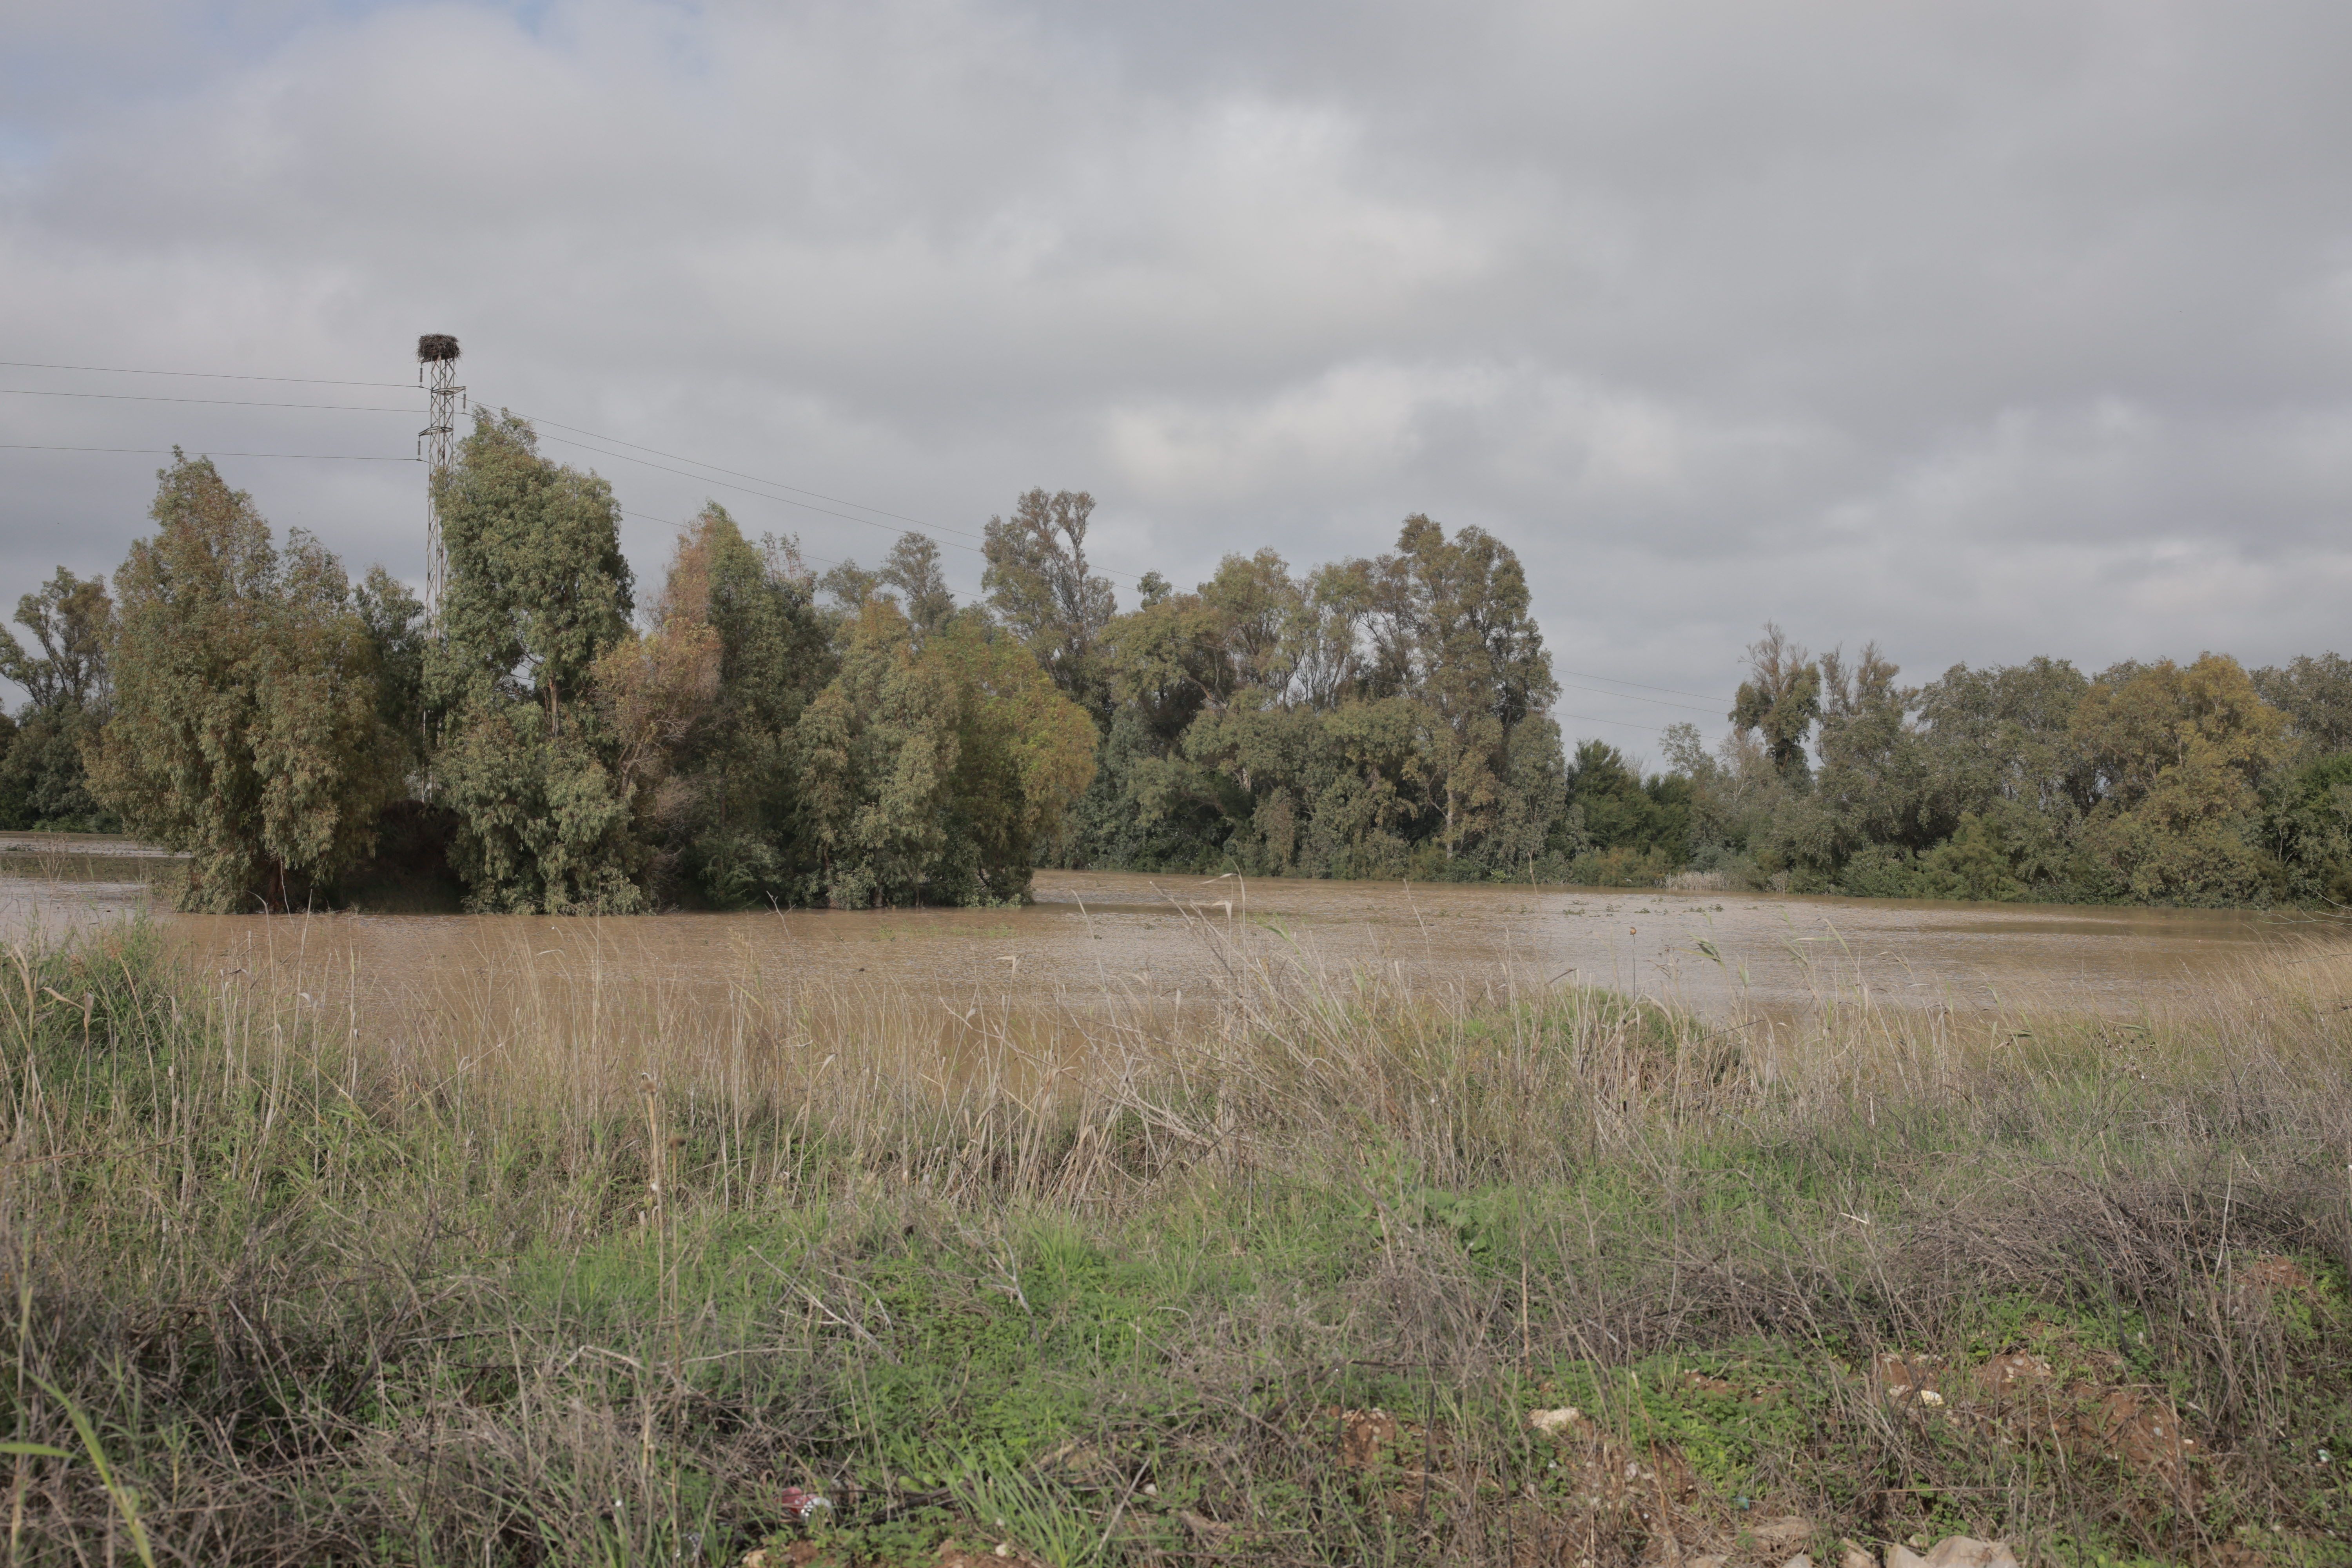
(1979, 329)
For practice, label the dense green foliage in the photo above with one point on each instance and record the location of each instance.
(246, 727)
(757, 734)
(538, 592)
(68, 685)
(1375, 718)
(553, 751)
(1387, 718)
(2148, 784)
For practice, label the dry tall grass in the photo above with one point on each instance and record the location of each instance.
(534, 1263)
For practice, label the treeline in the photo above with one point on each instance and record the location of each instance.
(2203, 784)
(751, 732)
(543, 746)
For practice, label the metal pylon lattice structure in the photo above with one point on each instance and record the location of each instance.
(436, 370)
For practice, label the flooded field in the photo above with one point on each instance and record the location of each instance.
(1163, 942)
(48, 880)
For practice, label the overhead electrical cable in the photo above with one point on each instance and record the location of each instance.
(928, 529)
(1587, 675)
(756, 479)
(222, 402)
(199, 374)
(1594, 719)
(167, 451)
(1628, 697)
(633, 447)
(745, 490)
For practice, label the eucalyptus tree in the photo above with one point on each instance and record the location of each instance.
(244, 727)
(1041, 585)
(537, 592)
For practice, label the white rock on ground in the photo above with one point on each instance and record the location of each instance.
(1954, 1552)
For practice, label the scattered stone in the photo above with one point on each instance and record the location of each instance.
(954, 1555)
(1853, 1556)
(1954, 1552)
(1801, 1560)
(1553, 1423)
(1901, 1377)
(799, 1554)
(1206, 1531)
(2018, 1396)
(1366, 1438)
(1781, 1530)
(1078, 1458)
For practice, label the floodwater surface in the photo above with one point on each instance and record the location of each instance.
(1157, 943)
(52, 881)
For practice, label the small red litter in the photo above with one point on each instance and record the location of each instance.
(801, 1504)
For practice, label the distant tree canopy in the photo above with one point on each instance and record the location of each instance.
(754, 735)
(69, 687)
(2198, 784)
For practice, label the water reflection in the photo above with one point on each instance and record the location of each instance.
(49, 881)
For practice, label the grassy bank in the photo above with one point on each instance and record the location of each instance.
(512, 1280)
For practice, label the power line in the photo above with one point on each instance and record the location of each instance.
(742, 490)
(201, 374)
(928, 528)
(933, 529)
(223, 402)
(1653, 701)
(167, 451)
(1590, 719)
(773, 484)
(1587, 675)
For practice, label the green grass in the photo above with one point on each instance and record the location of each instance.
(308, 1303)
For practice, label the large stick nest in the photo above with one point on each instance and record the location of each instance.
(435, 346)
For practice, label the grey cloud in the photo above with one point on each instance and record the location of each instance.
(1983, 330)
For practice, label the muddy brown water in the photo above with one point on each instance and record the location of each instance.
(49, 881)
(1157, 942)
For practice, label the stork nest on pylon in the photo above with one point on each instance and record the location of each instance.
(435, 346)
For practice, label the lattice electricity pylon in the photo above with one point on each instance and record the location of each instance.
(436, 370)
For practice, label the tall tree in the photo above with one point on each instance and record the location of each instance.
(730, 815)
(1258, 608)
(1780, 700)
(2181, 751)
(538, 592)
(1874, 776)
(2316, 695)
(1452, 628)
(1039, 582)
(43, 780)
(71, 619)
(397, 629)
(912, 568)
(246, 728)
(1324, 643)
(930, 772)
